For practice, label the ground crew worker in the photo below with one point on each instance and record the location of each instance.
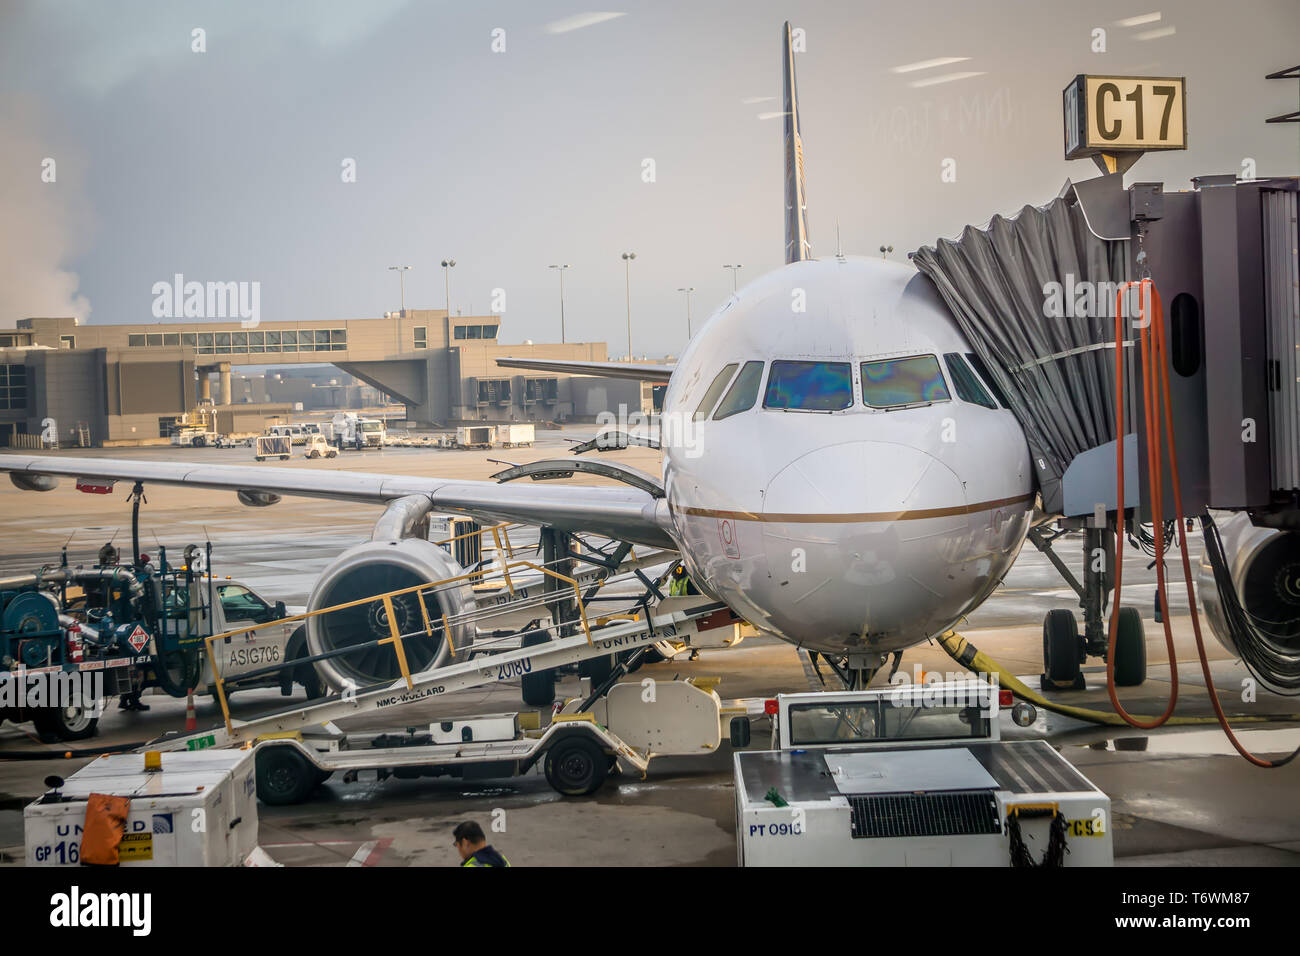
(679, 585)
(472, 845)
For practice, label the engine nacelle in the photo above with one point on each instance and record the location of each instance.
(31, 481)
(374, 568)
(257, 499)
(1265, 568)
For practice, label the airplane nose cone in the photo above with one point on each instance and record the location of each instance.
(863, 481)
(858, 538)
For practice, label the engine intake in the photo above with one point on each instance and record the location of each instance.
(1254, 608)
(375, 568)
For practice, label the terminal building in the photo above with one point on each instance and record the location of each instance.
(120, 384)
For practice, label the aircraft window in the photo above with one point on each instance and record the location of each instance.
(715, 389)
(906, 381)
(809, 386)
(982, 371)
(968, 386)
(743, 392)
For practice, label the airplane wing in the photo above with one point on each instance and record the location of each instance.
(628, 514)
(644, 372)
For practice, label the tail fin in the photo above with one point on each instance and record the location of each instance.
(797, 246)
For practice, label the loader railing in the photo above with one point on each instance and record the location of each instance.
(569, 589)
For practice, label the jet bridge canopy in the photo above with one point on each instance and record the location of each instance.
(1016, 288)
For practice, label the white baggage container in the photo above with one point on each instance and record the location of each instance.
(514, 436)
(200, 809)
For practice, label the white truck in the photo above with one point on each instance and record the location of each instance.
(351, 431)
(235, 606)
(912, 775)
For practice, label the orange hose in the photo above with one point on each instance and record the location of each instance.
(1156, 399)
(1153, 468)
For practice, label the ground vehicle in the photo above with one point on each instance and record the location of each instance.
(237, 606)
(294, 433)
(516, 436)
(911, 775)
(319, 447)
(77, 636)
(351, 431)
(194, 437)
(476, 436)
(273, 446)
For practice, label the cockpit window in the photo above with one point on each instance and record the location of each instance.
(743, 392)
(715, 389)
(810, 386)
(904, 381)
(968, 386)
(982, 371)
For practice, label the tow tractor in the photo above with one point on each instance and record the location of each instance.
(912, 775)
(585, 738)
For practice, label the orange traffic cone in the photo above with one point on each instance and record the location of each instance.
(191, 722)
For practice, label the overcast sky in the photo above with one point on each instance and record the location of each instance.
(226, 165)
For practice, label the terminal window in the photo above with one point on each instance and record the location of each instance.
(13, 386)
(67, 341)
(421, 337)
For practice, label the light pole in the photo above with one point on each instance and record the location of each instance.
(561, 268)
(734, 269)
(885, 251)
(627, 263)
(452, 389)
(447, 265)
(688, 292)
(401, 279)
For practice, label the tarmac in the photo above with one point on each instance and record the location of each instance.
(1180, 796)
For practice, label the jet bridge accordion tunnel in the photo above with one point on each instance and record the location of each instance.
(1035, 295)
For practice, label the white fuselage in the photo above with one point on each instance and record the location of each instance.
(861, 530)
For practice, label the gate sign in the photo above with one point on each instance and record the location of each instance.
(1115, 114)
(138, 639)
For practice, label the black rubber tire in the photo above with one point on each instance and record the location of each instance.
(284, 776)
(597, 668)
(58, 722)
(538, 687)
(304, 674)
(199, 442)
(1130, 649)
(1061, 647)
(576, 765)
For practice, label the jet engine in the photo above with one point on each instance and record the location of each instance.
(1249, 583)
(375, 568)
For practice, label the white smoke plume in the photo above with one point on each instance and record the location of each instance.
(44, 223)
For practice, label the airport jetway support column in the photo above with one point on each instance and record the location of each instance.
(225, 395)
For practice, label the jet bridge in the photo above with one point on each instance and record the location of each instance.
(1036, 295)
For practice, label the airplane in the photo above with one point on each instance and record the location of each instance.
(841, 473)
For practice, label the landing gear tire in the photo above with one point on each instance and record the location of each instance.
(1130, 649)
(284, 776)
(538, 688)
(1061, 651)
(65, 723)
(576, 766)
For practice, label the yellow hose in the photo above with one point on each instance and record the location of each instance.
(972, 658)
